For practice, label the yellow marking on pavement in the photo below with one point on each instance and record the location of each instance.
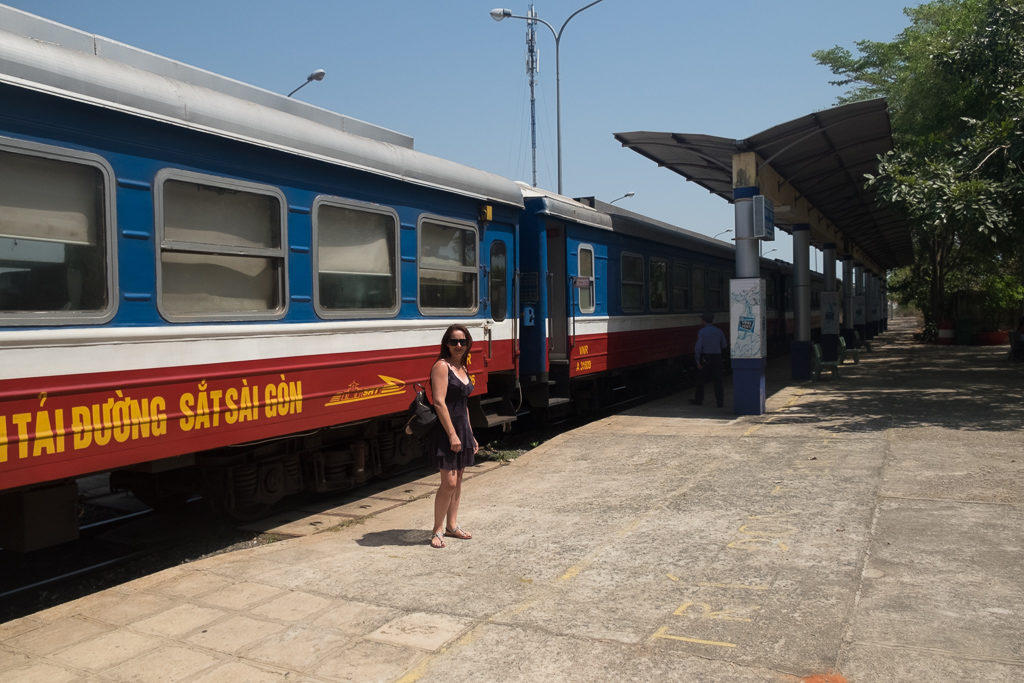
(663, 633)
(573, 571)
(416, 673)
(738, 586)
(777, 490)
(674, 578)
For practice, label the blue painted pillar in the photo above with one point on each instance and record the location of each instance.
(747, 311)
(849, 291)
(859, 302)
(800, 353)
(830, 304)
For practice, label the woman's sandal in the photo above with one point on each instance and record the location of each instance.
(458, 532)
(440, 540)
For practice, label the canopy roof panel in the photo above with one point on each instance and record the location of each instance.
(824, 156)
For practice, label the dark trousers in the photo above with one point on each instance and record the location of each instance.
(710, 370)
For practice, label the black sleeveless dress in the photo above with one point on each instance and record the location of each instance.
(438, 444)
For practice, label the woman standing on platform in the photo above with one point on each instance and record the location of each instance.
(451, 444)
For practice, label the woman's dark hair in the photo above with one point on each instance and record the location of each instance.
(446, 352)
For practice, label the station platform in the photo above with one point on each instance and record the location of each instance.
(866, 528)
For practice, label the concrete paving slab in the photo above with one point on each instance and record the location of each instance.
(369, 661)
(107, 650)
(300, 648)
(355, 618)
(292, 606)
(178, 621)
(42, 672)
(235, 633)
(191, 583)
(233, 672)
(51, 637)
(241, 596)
(171, 664)
(421, 630)
(121, 609)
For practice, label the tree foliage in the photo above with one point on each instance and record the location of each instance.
(954, 81)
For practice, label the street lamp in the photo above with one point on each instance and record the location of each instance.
(722, 233)
(499, 13)
(625, 196)
(317, 75)
(765, 254)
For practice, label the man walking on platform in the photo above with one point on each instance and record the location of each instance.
(707, 353)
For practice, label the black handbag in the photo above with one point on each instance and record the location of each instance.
(422, 417)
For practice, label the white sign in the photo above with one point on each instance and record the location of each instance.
(764, 218)
(747, 335)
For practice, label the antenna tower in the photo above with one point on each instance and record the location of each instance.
(532, 67)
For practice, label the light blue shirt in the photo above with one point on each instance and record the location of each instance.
(710, 339)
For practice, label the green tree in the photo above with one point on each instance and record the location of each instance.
(954, 81)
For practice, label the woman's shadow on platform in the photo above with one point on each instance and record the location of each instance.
(376, 539)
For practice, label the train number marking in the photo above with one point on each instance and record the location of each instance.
(728, 614)
(663, 633)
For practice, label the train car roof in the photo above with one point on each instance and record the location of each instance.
(560, 206)
(45, 56)
(638, 225)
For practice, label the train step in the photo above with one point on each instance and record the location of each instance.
(494, 411)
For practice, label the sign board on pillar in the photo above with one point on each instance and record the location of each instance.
(830, 310)
(764, 218)
(747, 337)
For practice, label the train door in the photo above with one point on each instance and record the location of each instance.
(557, 312)
(501, 332)
(498, 266)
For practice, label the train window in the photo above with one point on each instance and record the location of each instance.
(586, 269)
(448, 266)
(632, 282)
(221, 248)
(659, 284)
(355, 246)
(497, 289)
(698, 288)
(56, 254)
(680, 287)
(713, 298)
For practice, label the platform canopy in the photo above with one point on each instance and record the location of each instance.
(815, 163)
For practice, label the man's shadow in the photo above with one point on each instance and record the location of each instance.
(376, 539)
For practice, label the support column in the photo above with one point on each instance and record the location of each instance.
(885, 305)
(859, 319)
(849, 290)
(800, 353)
(746, 307)
(830, 305)
(872, 306)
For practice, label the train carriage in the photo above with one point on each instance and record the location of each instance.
(203, 283)
(618, 308)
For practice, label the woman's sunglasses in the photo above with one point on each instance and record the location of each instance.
(457, 342)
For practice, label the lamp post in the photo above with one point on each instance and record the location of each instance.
(499, 13)
(317, 75)
(722, 233)
(625, 196)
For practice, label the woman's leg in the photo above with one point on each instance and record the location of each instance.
(453, 508)
(442, 501)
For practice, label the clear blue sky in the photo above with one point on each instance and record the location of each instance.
(447, 74)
